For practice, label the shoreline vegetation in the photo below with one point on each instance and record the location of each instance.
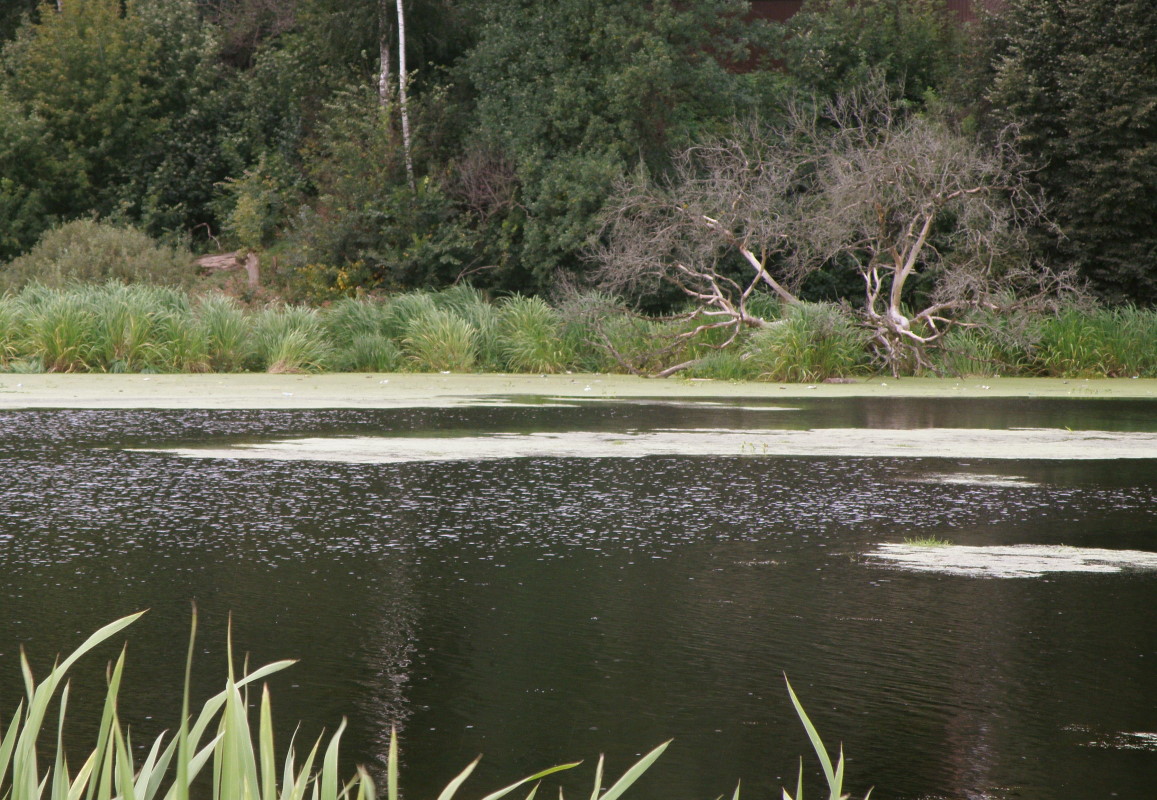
(136, 329)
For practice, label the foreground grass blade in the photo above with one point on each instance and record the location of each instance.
(817, 742)
(535, 777)
(456, 784)
(635, 772)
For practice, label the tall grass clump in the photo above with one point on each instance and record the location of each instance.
(226, 333)
(236, 751)
(141, 328)
(723, 365)
(59, 328)
(581, 318)
(987, 345)
(219, 736)
(440, 341)
(290, 339)
(529, 337)
(1119, 342)
(87, 251)
(357, 329)
(349, 317)
(11, 323)
(472, 306)
(220, 739)
(811, 342)
(404, 308)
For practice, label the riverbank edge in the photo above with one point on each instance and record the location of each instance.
(407, 390)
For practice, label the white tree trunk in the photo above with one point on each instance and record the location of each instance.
(402, 80)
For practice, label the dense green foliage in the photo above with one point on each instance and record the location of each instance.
(1079, 79)
(832, 44)
(275, 125)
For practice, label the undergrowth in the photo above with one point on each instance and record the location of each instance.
(118, 327)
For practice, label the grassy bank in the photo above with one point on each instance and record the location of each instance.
(117, 328)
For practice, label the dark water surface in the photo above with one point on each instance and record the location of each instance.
(539, 610)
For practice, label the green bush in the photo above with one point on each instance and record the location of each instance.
(86, 251)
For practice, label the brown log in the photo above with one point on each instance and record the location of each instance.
(250, 262)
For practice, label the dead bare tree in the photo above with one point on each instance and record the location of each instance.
(719, 228)
(899, 196)
(853, 185)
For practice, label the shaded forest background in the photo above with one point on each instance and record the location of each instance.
(265, 125)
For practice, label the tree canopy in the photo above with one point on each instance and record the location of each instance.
(277, 123)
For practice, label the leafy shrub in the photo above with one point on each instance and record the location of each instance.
(87, 251)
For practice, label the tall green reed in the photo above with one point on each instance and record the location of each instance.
(440, 341)
(59, 330)
(219, 740)
(471, 306)
(811, 342)
(290, 339)
(1119, 342)
(222, 323)
(529, 336)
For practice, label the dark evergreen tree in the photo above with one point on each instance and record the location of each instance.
(571, 93)
(1079, 78)
(832, 46)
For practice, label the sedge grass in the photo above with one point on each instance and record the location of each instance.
(471, 306)
(289, 340)
(529, 336)
(139, 328)
(59, 331)
(812, 342)
(225, 331)
(927, 541)
(440, 341)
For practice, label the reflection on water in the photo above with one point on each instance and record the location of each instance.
(544, 609)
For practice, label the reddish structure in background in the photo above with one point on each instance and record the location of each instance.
(779, 10)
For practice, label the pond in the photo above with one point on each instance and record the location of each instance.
(611, 575)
